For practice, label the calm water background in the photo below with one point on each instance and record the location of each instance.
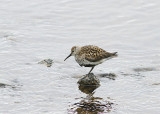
(33, 30)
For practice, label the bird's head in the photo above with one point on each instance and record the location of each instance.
(74, 51)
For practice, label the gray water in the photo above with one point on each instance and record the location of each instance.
(33, 30)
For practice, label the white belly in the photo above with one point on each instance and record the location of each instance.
(82, 61)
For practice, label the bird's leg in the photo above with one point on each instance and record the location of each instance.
(91, 70)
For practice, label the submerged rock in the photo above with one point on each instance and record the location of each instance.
(90, 80)
(144, 69)
(4, 83)
(47, 62)
(111, 76)
(156, 84)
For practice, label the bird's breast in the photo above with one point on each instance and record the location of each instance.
(79, 59)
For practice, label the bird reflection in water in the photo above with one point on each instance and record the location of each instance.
(90, 104)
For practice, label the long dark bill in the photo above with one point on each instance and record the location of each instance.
(67, 57)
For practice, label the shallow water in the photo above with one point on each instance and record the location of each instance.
(31, 31)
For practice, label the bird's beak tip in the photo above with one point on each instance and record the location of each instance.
(67, 57)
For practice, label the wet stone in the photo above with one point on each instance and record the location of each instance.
(9, 84)
(88, 89)
(89, 79)
(3, 85)
(47, 62)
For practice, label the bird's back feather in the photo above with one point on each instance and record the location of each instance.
(94, 53)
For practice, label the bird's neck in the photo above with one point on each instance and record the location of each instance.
(78, 49)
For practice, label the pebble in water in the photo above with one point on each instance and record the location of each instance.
(89, 79)
(47, 62)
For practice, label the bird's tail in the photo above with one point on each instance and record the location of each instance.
(115, 54)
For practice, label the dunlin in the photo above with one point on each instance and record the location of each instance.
(90, 56)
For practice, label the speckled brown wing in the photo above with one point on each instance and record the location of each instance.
(94, 53)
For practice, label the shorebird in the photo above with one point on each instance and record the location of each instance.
(90, 56)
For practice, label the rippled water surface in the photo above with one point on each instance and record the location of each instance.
(33, 30)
